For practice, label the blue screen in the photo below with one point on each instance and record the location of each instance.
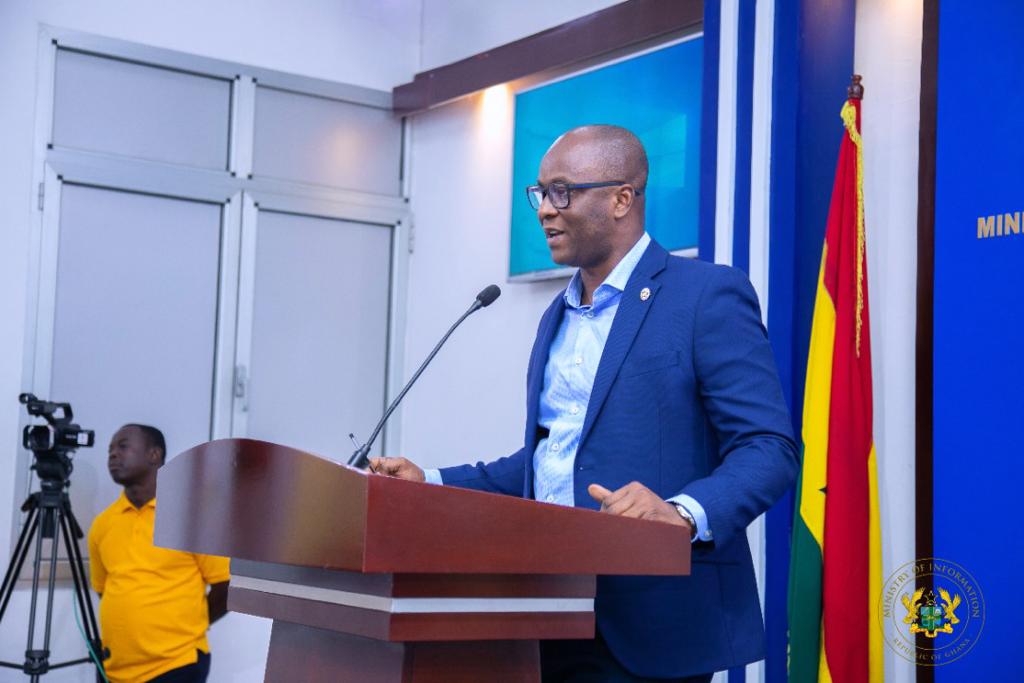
(657, 96)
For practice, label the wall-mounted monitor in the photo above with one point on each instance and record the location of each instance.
(655, 94)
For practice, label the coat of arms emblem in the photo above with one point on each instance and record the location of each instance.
(912, 629)
(925, 614)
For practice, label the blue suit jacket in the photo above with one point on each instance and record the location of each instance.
(686, 400)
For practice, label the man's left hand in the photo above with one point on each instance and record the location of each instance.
(636, 500)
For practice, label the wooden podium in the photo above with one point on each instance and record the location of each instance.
(369, 578)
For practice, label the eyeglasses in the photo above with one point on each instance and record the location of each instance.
(559, 193)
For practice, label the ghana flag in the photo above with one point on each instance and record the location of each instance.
(835, 572)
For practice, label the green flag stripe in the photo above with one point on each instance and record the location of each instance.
(805, 571)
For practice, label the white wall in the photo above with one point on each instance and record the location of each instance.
(373, 44)
(471, 404)
(456, 29)
(888, 56)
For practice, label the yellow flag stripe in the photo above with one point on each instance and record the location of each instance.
(817, 393)
(876, 656)
(824, 675)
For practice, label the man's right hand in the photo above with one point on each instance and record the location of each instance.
(397, 467)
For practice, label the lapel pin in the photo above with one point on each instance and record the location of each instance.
(645, 294)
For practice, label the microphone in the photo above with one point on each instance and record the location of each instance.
(485, 298)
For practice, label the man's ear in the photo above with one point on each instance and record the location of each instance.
(154, 455)
(625, 196)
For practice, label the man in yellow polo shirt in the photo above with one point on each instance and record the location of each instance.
(154, 610)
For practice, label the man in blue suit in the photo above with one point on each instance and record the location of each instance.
(651, 393)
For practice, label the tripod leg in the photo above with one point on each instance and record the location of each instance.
(51, 584)
(33, 660)
(72, 520)
(77, 571)
(49, 515)
(18, 558)
(82, 595)
(92, 627)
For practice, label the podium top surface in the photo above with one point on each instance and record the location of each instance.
(264, 502)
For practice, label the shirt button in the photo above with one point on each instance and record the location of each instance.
(551, 498)
(554, 446)
(575, 409)
(579, 360)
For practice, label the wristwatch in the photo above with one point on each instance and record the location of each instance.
(689, 518)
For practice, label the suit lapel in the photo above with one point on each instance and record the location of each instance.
(628, 318)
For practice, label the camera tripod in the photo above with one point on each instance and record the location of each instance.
(50, 517)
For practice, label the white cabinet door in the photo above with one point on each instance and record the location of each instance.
(313, 329)
(135, 322)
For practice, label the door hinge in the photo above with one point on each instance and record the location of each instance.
(412, 237)
(42, 195)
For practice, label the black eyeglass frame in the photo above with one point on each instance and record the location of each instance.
(569, 187)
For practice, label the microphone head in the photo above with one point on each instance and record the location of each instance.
(488, 295)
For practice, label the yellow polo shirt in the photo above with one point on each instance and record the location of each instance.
(153, 613)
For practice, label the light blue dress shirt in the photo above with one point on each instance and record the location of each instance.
(568, 380)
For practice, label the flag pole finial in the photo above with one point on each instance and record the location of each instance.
(855, 91)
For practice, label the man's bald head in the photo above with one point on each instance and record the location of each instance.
(613, 151)
(600, 215)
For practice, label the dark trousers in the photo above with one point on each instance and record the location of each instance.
(190, 673)
(590, 661)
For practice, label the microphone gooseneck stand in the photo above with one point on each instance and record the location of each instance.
(360, 458)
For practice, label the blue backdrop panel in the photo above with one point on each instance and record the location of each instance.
(657, 96)
(979, 320)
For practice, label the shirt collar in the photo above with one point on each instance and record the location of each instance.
(124, 505)
(616, 279)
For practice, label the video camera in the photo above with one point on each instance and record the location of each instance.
(53, 442)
